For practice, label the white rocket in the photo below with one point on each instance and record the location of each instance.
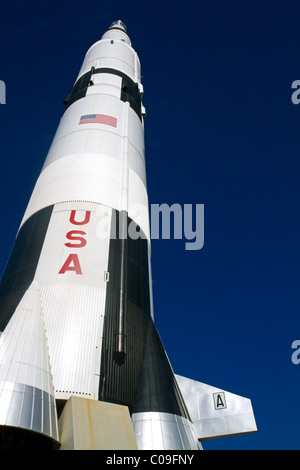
(76, 314)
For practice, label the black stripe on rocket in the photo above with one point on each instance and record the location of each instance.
(143, 380)
(129, 89)
(22, 263)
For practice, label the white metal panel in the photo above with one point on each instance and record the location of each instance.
(106, 84)
(26, 387)
(138, 206)
(117, 55)
(94, 178)
(164, 431)
(24, 354)
(74, 318)
(87, 140)
(73, 230)
(117, 34)
(70, 273)
(106, 79)
(215, 412)
(71, 137)
(137, 163)
(136, 133)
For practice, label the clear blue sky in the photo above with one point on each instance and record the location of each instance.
(221, 130)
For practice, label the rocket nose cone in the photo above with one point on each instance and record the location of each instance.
(118, 31)
(118, 25)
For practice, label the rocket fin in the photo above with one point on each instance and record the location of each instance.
(215, 412)
(27, 404)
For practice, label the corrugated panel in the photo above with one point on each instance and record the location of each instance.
(160, 431)
(26, 387)
(23, 345)
(74, 324)
(89, 139)
(119, 382)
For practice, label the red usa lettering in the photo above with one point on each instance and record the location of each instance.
(77, 240)
(82, 222)
(71, 264)
(70, 236)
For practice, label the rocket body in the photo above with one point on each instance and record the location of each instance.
(76, 312)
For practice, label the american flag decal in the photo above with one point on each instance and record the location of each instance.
(98, 119)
